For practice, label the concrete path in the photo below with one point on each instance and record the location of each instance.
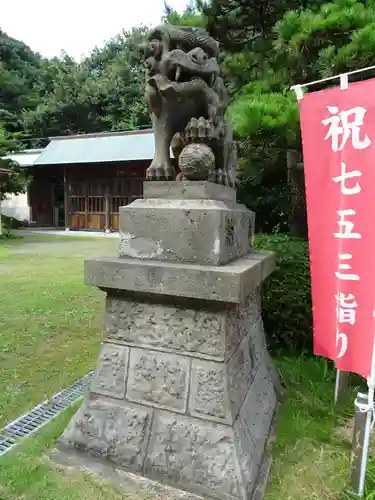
(61, 232)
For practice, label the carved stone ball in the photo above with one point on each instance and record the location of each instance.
(196, 162)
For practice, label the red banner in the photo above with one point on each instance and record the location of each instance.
(338, 134)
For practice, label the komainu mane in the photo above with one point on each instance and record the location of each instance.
(187, 100)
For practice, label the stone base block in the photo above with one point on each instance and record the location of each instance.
(176, 222)
(188, 190)
(67, 458)
(183, 393)
(194, 454)
(229, 284)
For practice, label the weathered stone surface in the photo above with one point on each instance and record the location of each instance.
(258, 493)
(240, 320)
(208, 394)
(197, 190)
(231, 283)
(206, 232)
(258, 341)
(197, 455)
(196, 162)
(254, 305)
(164, 327)
(133, 486)
(160, 380)
(211, 418)
(253, 425)
(240, 375)
(261, 354)
(110, 373)
(113, 429)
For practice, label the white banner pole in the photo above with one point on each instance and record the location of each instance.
(364, 421)
(316, 82)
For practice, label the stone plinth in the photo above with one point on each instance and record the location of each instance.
(185, 225)
(184, 390)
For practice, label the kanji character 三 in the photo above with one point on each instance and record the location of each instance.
(346, 227)
(345, 267)
(348, 175)
(346, 305)
(341, 126)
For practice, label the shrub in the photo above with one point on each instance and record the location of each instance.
(9, 223)
(286, 295)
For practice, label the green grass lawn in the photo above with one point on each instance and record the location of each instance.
(50, 322)
(50, 330)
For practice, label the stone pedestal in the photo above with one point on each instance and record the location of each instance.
(184, 391)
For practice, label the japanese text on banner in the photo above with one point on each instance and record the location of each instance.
(338, 128)
(343, 126)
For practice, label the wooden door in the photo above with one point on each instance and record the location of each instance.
(41, 202)
(95, 212)
(87, 204)
(78, 205)
(123, 192)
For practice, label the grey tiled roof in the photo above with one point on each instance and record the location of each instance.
(97, 148)
(25, 158)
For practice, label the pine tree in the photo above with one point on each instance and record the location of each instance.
(15, 182)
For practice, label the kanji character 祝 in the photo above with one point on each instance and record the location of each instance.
(343, 266)
(344, 176)
(345, 226)
(345, 124)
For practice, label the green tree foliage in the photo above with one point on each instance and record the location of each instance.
(336, 38)
(304, 45)
(191, 16)
(61, 96)
(307, 45)
(286, 295)
(103, 92)
(19, 70)
(238, 23)
(16, 181)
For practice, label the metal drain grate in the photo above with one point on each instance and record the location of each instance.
(42, 414)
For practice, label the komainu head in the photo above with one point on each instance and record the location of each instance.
(186, 97)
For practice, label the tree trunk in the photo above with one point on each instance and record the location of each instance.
(296, 181)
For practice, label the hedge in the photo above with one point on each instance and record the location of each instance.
(10, 223)
(286, 295)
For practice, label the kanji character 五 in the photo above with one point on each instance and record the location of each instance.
(345, 226)
(346, 124)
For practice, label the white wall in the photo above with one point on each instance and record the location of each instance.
(16, 206)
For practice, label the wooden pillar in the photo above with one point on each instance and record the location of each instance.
(66, 201)
(342, 386)
(52, 208)
(86, 194)
(29, 201)
(107, 208)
